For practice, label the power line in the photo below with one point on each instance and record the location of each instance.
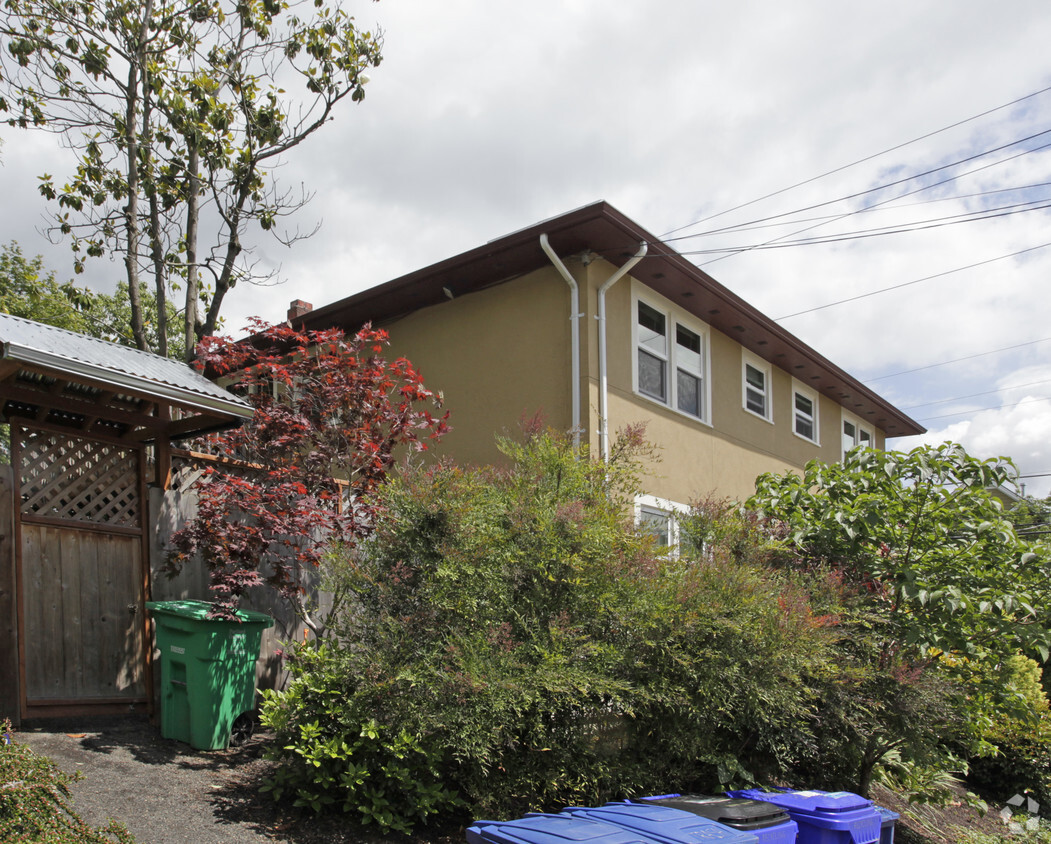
(864, 234)
(860, 161)
(976, 395)
(774, 243)
(885, 185)
(745, 227)
(982, 409)
(956, 360)
(909, 283)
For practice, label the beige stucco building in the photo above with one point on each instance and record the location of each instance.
(725, 392)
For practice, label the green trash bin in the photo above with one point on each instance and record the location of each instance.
(207, 670)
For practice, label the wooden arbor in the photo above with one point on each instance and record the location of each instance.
(74, 518)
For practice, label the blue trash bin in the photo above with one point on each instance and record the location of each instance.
(769, 823)
(825, 817)
(663, 823)
(888, 820)
(551, 829)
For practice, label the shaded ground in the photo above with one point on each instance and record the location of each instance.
(941, 824)
(166, 792)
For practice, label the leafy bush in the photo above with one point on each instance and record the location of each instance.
(1021, 764)
(34, 801)
(338, 756)
(942, 592)
(529, 649)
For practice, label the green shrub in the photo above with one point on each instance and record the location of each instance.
(1021, 764)
(35, 801)
(335, 756)
(531, 649)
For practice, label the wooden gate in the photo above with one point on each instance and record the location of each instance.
(81, 573)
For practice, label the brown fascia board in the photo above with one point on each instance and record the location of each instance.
(601, 229)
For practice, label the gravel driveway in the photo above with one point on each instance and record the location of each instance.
(166, 792)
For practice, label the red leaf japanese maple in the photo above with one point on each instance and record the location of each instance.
(331, 415)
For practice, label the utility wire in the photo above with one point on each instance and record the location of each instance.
(893, 198)
(976, 395)
(896, 182)
(956, 360)
(746, 227)
(981, 409)
(864, 234)
(859, 161)
(910, 283)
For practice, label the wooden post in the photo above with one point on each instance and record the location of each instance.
(163, 451)
(10, 692)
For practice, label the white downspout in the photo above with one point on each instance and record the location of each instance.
(602, 387)
(574, 326)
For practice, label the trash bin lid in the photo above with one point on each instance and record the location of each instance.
(198, 611)
(738, 812)
(810, 802)
(663, 823)
(551, 829)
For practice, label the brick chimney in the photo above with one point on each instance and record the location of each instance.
(298, 308)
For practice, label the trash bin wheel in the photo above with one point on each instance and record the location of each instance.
(242, 729)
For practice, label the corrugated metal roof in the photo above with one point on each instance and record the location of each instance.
(34, 343)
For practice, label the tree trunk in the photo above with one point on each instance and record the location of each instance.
(131, 209)
(160, 275)
(193, 192)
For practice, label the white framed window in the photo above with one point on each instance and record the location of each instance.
(805, 421)
(671, 358)
(652, 327)
(756, 387)
(659, 518)
(855, 434)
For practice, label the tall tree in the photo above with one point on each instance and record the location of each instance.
(178, 110)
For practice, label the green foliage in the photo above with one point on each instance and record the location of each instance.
(111, 320)
(169, 106)
(1022, 676)
(515, 625)
(943, 562)
(34, 801)
(339, 757)
(941, 596)
(27, 290)
(1021, 763)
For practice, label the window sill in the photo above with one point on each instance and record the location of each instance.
(671, 409)
(751, 412)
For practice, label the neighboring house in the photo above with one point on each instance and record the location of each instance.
(594, 322)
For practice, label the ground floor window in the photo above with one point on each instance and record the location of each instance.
(660, 518)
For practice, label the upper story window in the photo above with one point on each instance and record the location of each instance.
(671, 364)
(653, 353)
(756, 387)
(854, 434)
(804, 414)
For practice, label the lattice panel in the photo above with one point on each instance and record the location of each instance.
(82, 480)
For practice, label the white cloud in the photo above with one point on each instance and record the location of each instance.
(485, 117)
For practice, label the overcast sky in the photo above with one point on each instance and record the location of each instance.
(486, 117)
